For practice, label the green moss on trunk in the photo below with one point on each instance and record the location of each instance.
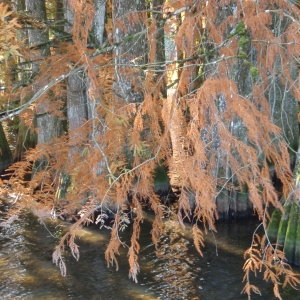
(297, 246)
(283, 224)
(274, 225)
(290, 238)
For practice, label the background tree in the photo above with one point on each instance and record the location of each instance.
(6, 156)
(36, 36)
(9, 51)
(130, 37)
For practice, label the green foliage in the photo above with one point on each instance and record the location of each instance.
(254, 72)
(243, 41)
(242, 55)
(240, 29)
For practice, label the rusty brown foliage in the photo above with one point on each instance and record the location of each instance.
(194, 131)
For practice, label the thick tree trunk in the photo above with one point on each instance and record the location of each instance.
(98, 29)
(175, 123)
(130, 53)
(5, 153)
(82, 101)
(26, 137)
(77, 110)
(281, 78)
(48, 126)
(160, 49)
(284, 228)
(80, 107)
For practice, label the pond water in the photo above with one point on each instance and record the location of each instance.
(176, 271)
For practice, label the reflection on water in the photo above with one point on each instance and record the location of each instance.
(27, 272)
(175, 272)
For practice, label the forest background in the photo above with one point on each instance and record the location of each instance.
(185, 108)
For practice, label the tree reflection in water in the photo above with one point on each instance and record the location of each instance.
(173, 269)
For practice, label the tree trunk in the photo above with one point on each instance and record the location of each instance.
(282, 100)
(284, 227)
(26, 137)
(5, 153)
(130, 53)
(82, 101)
(98, 29)
(160, 49)
(48, 126)
(77, 110)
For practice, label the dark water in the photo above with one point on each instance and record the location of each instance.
(176, 271)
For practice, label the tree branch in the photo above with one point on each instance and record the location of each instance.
(13, 112)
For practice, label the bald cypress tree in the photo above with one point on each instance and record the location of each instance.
(204, 90)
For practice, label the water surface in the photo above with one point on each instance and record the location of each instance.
(175, 271)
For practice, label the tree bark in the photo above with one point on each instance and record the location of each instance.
(98, 28)
(284, 228)
(5, 152)
(48, 126)
(26, 137)
(130, 53)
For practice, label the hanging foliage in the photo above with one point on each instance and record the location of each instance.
(208, 117)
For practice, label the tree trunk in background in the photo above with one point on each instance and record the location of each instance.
(246, 71)
(131, 51)
(97, 35)
(77, 107)
(283, 104)
(284, 228)
(160, 50)
(26, 137)
(162, 180)
(183, 81)
(59, 17)
(5, 153)
(84, 123)
(95, 98)
(48, 126)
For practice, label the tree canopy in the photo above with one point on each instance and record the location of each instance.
(115, 103)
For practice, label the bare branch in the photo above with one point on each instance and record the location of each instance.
(13, 112)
